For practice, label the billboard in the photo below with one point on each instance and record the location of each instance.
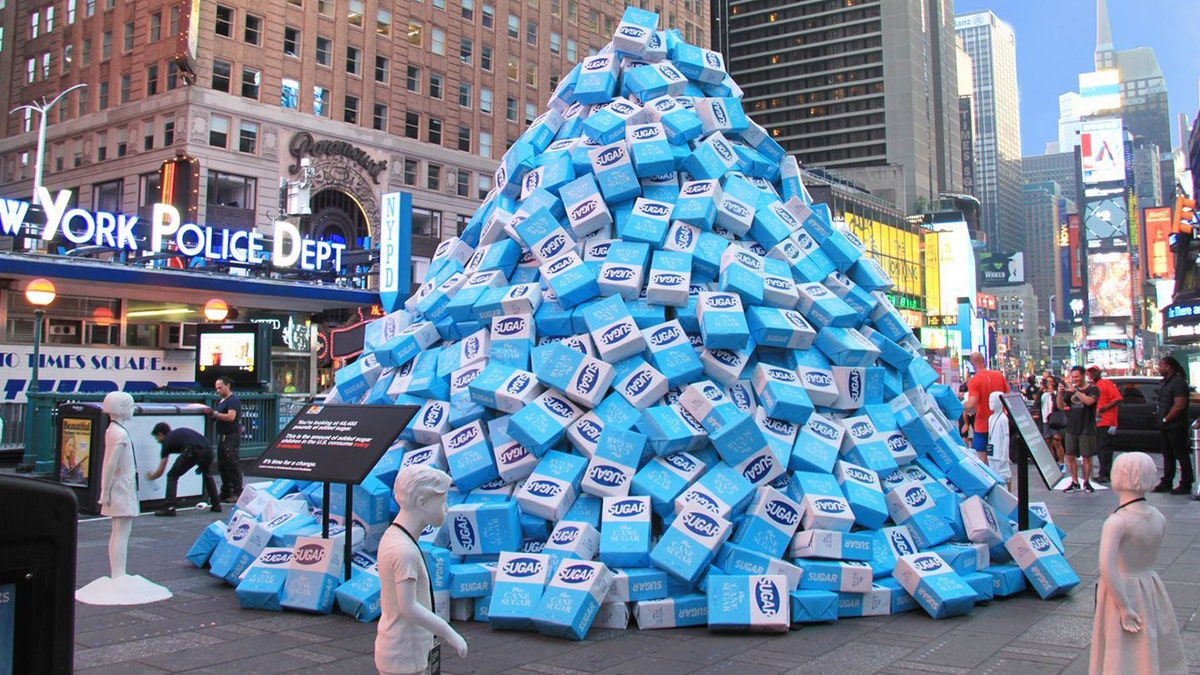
(1157, 256)
(1105, 218)
(950, 268)
(1108, 285)
(1099, 91)
(1102, 149)
(1002, 269)
(897, 250)
(1074, 251)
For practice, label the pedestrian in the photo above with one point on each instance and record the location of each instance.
(1106, 420)
(1053, 424)
(966, 421)
(979, 389)
(1031, 389)
(227, 417)
(1079, 398)
(1173, 415)
(194, 450)
(998, 440)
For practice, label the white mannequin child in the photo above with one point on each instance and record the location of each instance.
(408, 627)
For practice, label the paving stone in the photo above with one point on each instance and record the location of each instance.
(138, 650)
(959, 649)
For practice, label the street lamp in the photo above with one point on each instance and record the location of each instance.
(216, 310)
(39, 293)
(42, 108)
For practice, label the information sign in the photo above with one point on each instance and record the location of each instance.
(333, 443)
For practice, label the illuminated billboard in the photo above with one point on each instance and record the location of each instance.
(1002, 269)
(1099, 91)
(1108, 285)
(950, 268)
(1156, 251)
(1106, 218)
(898, 251)
(1102, 149)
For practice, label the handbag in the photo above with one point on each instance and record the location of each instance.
(1057, 420)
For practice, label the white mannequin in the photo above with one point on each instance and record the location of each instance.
(1135, 629)
(119, 501)
(408, 626)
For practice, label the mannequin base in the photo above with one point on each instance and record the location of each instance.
(131, 589)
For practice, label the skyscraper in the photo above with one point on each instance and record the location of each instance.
(1143, 89)
(992, 47)
(866, 88)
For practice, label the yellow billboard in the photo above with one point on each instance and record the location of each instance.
(897, 250)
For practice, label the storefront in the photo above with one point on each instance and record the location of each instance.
(1181, 335)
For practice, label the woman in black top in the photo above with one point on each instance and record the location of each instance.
(1173, 415)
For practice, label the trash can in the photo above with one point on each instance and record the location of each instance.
(79, 449)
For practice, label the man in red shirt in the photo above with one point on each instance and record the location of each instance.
(1106, 419)
(979, 388)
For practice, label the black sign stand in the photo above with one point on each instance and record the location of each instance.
(1030, 444)
(334, 444)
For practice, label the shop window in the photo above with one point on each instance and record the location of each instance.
(426, 223)
(228, 191)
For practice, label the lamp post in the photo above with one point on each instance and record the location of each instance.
(42, 108)
(39, 293)
(1051, 330)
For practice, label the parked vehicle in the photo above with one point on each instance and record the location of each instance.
(1137, 416)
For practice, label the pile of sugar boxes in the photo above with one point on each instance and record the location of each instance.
(668, 387)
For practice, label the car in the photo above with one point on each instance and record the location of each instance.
(1137, 416)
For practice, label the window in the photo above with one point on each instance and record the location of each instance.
(156, 27)
(410, 171)
(464, 94)
(221, 75)
(383, 23)
(324, 51)
(173, 18)
(105, 45)
(35, 25)
(78, 153)
(485, 100)
(169, 130)
(148, 135)
(101, 146)
(218, 131)
(251, 80)
(531, 33)
(2, 38)
(464, 138)
(414, 33)
(489, 16)
(85, 53)
(107, 196)
(465, 49)
(439, 4)
(102, 97)
(531, 74)
(514, 26)
(122, 141)
(412, 80)
(510, 109)
(412, 125)
(320, 101)
(325, 7)
(252, 35)
(224, 26)
(426, 223)
(248, 137)
(381, 69)
(379, 117)
(462, 187)
(70, 11)
(555, 43)
(291, 41)
(485, 58)
(123, 88)
(555, 7)
(433, 179)
(46, 65)
(468, 10)
(350, 110)
(355, 14)
(572, 50)
(435, 131)
(149, 189)
(127, 38)
(439, 42)
(530, 112)
(485, 145)
(354, 60)
(232, 191)
(514, 68)
(436, 81)
(89, 8)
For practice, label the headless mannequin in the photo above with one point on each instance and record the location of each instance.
(407, 622)
(119, 501)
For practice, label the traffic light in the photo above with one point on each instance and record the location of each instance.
(1185, 214)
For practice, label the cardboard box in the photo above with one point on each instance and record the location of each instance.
(769, 523)
(781, 394)
(360, 596)
(262, 583)
(572, 599)
(663, 479)
(830, 575)
(758, 603)
(624, 269)
(669, 429)
(206, 543)
(469, 457)
(543, 422)
(889, 543)
(720, 491)
(635, 584)
(1007, 579)
(471, 580)
(817, 444)
(1044, 566)
(937, 588)
(613, 330)
(245, 538)
(810, 606)
(553, 486)
(314, 572)
(610, 470)
(741, 270)
(517, 589)
(483, 528)
(684, 609)
(625, 532)
(832, 544)
(863, 491)
(688, 546)
(910, 504)
(782, 328)
(597, 81)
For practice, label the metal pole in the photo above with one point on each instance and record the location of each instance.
(29, 461)
(42, 109)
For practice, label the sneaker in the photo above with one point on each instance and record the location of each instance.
(1073, 487)
(1182, 490)
(1162, 487)
(168, 511)
(215, 508)
(1087, 487)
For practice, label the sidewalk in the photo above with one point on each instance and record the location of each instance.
(202, 630)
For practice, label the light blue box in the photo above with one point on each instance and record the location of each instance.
(668, 431)
(723, 114)
(837, 545)
(573, 282)
(314, 573)
(262, 583)
(763, 467)
(697, 203)
(206, 543)
(864, 446)
(625, 532)
(614, 172)
(630, 41)
(820, 385)
(613, 330)
(869, 274)
(722, 321)
(517, 590)
(809, 606)
(971, 477)
(624, 269)
(824, 507)
(245, 538)
(663, 479)
(817, 444)
(738, 441)
(640, 383)
(469, 456)
(644, 82)
(910, 504)
(836, 575)
(769, 523)
(742, 273)
(758, 602)
(610, 470)
(889, 543)
(1007, 579)
(661, 188)
(462, 306)
(510, 340)
(772, 225)
(597, 81)
(355, 379)
(698, 64)
(582, 378)
(720, 491)
(779, 289)
(669, 279)
(846, 347)
(679, 610)
(572, 599)
(671, 353)
(688, 546)
(586, 210)
(711, 158)
(360, 596)
(982, 583)
(888, 321)
(544, 236)
(803, 256)
(780, 392)
(680, 124)
(635, 584)
(516, 299)
(920, 374)
(554, 485)
(858, 298)
(543, 422)
(586, 509)
(1044, 566)
(649, 148)
(606, 123)
(824, 309)
(864, 493)
(964, 558)
(483, 528)
(571, 540)
(937, 588)
(471, 580)
(648, 222)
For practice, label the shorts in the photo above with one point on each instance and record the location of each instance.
(1081, 445)
(979, 441)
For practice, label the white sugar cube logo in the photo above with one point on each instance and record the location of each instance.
(522, 567)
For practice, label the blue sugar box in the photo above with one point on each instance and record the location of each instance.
(648, 222)
(571, 540)
(360, 597)
(671, 353)
(810, 606)
(669, 279)
(760, 139)
(836, 575)
(1005, 505)
(314, 573)
(680, 124)
(725, 365)
(858, 387)
(469, 350)
(779, 289)
(697, 203)
(471, 580)
(517, 589)
(721, 114)
(773, 224)
(742, 273)
(245, 538)
(889, 543)
(817, 444)
(1007, 579)
(740, 440)
(910, 504)
(885, 597)
(668, 431)
(711, 157)
(552, 488)
(614, 172)
(688, 546)
(262, 582)
(469, 456)
(555, 171)
(678, 610)
(610, 471)
(863, 445)
(586, 509)
(781, 434)
(846, 347)
(542, 130)
(762, 467)
(623, 271)
(843, 248)
(781, 394)
(982, 583)
(1043, 564)
(661, 188)
(585, 207)
(964, 558)
(899, 598)
(612, 615)
(635, 584)
(579, 156)
(721, 491)
(824, 309)
(820, 385)
(850, 293)
(501, 256)
(597, 80)
(824, 507)
(735, 209)
(804, 256)
(461, 306)
(742, 395)
(510, 340)
(572, 599)
(920, 374)
(613, 330)
(582, 378)
(644, 82)
(634, 31)
(893, 354)
(646, 313)
(544, 236)
(950, 404)
(936, 587)
(706, 249)
(355, 379)
(887, 320)
(571, 280)
(553, 320)
(869, 274)
(649, 149)
(516, 299)
(496, 490)
(972, 477)
(722, 321)
(663, 479)
(832, 544)
(371, 506)
(432, 420)
(699, 64)
(789, 179)
(432, 455)
(625, 532)
(543, 422)
(206, 543)
(864, 493)
(749, 602)
(769, 523)
(483, 528)
(640, 383)
(607, 122)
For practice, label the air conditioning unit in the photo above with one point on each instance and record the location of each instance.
(177, 336)
(64, 329)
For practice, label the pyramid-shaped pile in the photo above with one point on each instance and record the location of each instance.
(667, 384)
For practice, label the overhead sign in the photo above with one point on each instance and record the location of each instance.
(1106, 217)
(1002, 269)
(1102, 149)
(1156, 254)
(333, 443)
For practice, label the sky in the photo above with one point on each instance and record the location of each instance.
(1056, 40)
